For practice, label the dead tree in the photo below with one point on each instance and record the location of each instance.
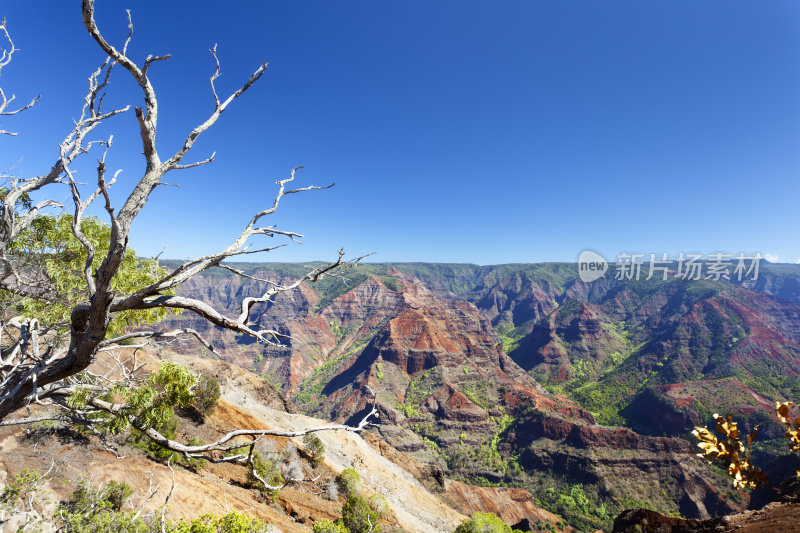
(34, 362)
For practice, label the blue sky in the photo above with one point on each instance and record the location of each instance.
(483, 132)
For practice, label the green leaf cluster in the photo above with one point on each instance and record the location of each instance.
(92, 510)
(579, 506)
(232, 522)
(23, 484)
(315, 449)
(268, 470)
(328, 526)
(151, 405)
(359, 513)
(348, 480)
(359, 516)
(50, 248)
(206, 395)
(484, 523)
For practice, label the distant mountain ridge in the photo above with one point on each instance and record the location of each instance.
(498, 373)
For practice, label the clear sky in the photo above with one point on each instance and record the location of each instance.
(456, 131)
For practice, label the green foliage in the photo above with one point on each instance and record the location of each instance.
(511, 336)
(579, 507)
(602, 512)
(340, 333)
(232, 522)
(25, 484)
(358, 516)
(433, 446)
(419, 388)
(315, 448)
(409, 411)
(606, 398)
(114, 495)
(267, 469)
(379, 504)
(152, 405)
(393, 284)
(206, 395)
(494, 457)
(92, 510)
(326, 526)
(141, 441)
(50, 245)
(104, 521)
(174, 383)
(477, 392)
(348, 480)
(194, 463)
(311, 388)
(483, 523)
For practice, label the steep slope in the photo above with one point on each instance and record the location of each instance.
(248, 402)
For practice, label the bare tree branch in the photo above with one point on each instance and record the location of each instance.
(219, 107)
(156, 334)
(218, 451)
(39, 362)
(5, 59)
(163, 518)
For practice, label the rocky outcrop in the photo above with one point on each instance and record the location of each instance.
(579, 332)
(516, 298)
(537, 427)
(511, 505)
(622, 464)
(775, 518)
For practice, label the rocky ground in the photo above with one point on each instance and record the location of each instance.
(774, 518)
(776, 509)
(250, 402)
